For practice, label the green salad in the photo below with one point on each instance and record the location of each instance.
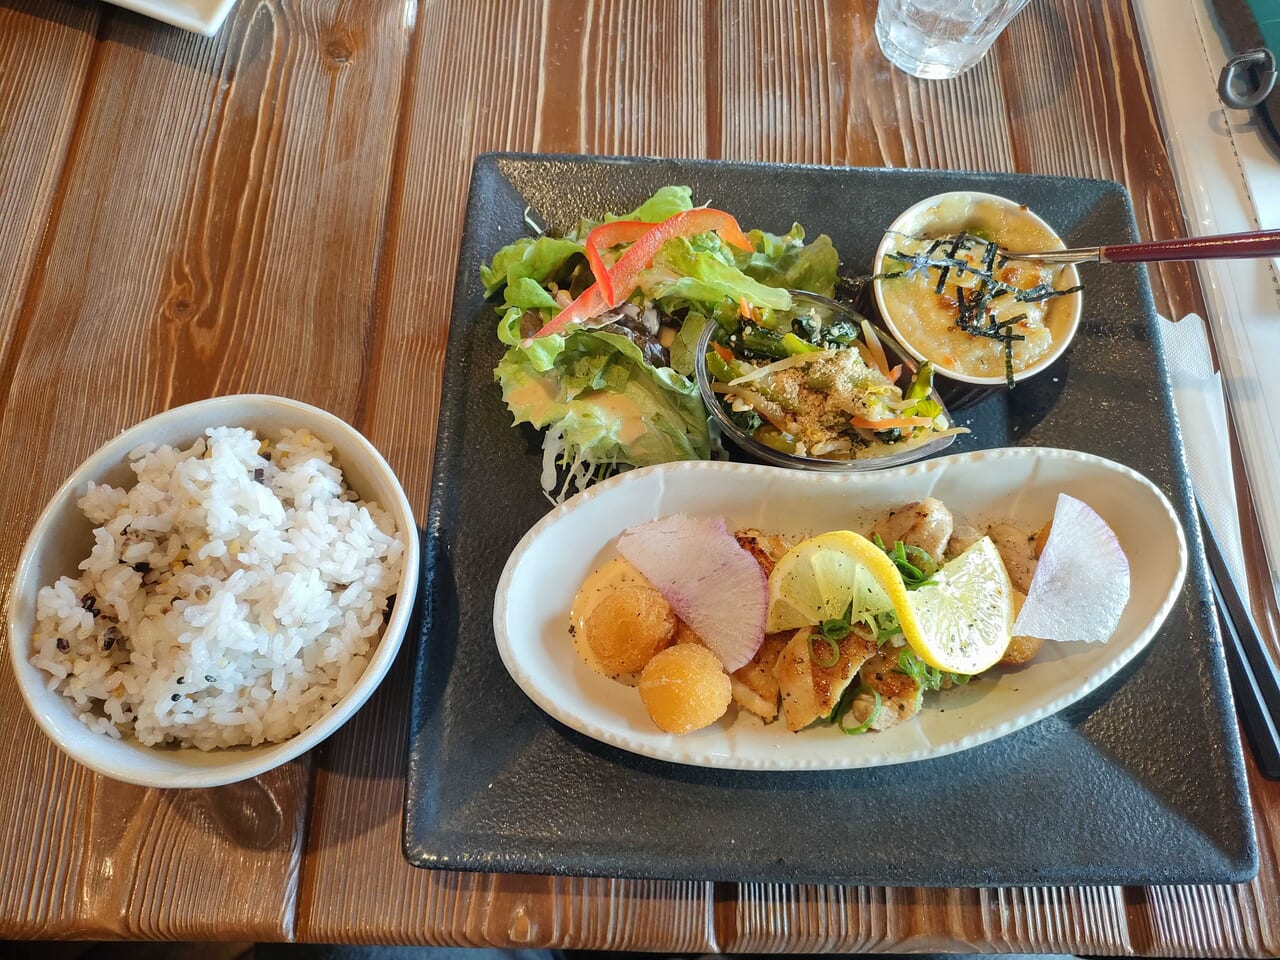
(602, 324)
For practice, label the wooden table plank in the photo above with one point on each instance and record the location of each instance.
(46, 53)
(219, 231)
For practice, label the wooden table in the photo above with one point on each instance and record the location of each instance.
(278, 209)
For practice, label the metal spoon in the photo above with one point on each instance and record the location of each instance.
(1227, 246)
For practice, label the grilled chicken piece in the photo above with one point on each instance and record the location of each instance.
(900, 695)
(1017, 550)
(1042, 537)
(755, 688)
(926, 524)
(809, 691)
(766, 548)
(962, 538)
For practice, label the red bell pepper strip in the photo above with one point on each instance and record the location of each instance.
(626, 272)
(610, 235)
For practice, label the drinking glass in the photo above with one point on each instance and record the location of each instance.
(940, 39)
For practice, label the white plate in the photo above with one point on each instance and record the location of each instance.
(1020, 485)
(198, 16)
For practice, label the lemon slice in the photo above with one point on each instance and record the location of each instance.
(820, 578)
(962, 622)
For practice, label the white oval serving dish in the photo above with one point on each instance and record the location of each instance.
(1019, 485)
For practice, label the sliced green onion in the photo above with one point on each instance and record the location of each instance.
(913, 576)
(921, 560)
(905, 566)
(865, 725)
(836, 628)
(842, 702)
(831, 645)
(927, 677)
(884, 633)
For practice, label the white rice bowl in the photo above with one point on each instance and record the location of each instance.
(234, 594)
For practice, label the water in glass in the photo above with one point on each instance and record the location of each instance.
(938, 39)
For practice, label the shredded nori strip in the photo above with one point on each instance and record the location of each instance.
(951, 256)
(920, 262)
(972, 309)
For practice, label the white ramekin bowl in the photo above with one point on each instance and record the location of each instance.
(62, 537)
(915, 220)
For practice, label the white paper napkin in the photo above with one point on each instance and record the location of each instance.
(1202, 411)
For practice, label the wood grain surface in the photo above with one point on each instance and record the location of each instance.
(278, 208)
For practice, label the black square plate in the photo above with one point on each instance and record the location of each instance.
(1142, 782)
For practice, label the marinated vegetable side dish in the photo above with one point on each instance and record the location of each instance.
(602, 322)
(841, 628)
(823, 389)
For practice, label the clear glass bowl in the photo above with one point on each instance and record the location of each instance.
(826, 309)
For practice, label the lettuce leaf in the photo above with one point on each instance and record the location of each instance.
(703, 274)
(536, 258)
(603, 404)
(684, 347)
(667, 202)
(787, 261)
(528, 293)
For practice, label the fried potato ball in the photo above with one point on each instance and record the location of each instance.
(627, 627)
(685, 688)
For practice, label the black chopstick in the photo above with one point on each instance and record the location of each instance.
(1254, 678)
(1259, 728)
